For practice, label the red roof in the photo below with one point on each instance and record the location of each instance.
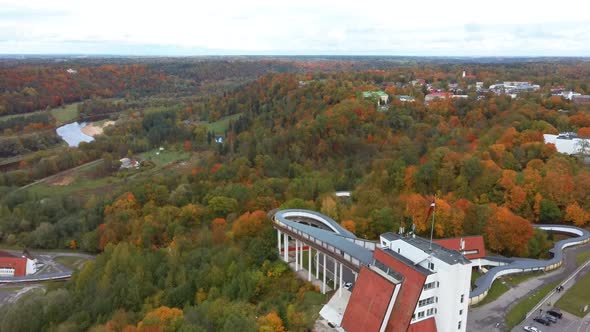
(19, 264)
(427, 325)
(409, 293)
(474, 246)
(368, 303)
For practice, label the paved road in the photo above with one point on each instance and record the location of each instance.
(552, 299)
(485, 318)
(48, 268)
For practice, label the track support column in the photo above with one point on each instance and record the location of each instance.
(324, 277)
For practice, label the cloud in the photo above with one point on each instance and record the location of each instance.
(297, 27)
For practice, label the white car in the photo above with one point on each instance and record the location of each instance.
(531, 329)
(348, 285)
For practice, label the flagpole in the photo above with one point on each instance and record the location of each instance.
(432, 227)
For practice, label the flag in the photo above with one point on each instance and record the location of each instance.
(430, 210)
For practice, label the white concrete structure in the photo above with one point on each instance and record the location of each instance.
(445, 294)
(568, 143)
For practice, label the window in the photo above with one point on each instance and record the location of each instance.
(427, 301)
(414, 317)
(460, 312)
(459, 326)
(398, 250)
(430, 312)
(421, 314)
(431, 266)
(430, 285)
(462, 298)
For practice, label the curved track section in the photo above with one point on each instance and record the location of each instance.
(520, 265)
(313, 219)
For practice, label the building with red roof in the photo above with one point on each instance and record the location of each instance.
(472, 247)
(412, 285)
(16, 266)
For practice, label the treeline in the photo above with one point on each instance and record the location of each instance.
(31, 122)
(17, 145)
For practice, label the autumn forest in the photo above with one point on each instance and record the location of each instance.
(184, 242)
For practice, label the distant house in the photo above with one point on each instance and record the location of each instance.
(418, 82)
(219, 139)
(71, 71)
(128, 163)
(436, 95)
(568, 143)
(16, 265)
(581, 99)
(459, 96)
(380, 96)
(405, 98)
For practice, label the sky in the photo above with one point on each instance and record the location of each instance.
(302, 27)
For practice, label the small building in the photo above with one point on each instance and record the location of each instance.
(381, 97)
(418, 82)
(16, 265)
(405, 98)
(568, 143)
(129, 163)
(71, 71)
(581, 99)
(436, 95)
(219, 139)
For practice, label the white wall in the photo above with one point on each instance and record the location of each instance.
(31, 266)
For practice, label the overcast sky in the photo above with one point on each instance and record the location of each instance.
(360, 27)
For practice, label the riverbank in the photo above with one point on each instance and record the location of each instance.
(96, 128)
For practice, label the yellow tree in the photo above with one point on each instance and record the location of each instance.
(270, 323)
(575, 214)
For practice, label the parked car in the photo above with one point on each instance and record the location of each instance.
(542, 320)
(550, 318)
(348, 285)
(531, 329)
(555, 313)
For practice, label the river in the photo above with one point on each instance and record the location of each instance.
(72, 133)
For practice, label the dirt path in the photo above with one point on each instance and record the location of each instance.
(61, 174)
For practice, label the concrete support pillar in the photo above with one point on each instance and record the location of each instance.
(286, 248)
(317, 264)
(296, 255)
(279, 241)
(355, 276)
(301, 244)
(309, 264)
(335, 273)
(340, 290)
(324, 278)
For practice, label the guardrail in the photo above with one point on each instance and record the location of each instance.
(34, 278)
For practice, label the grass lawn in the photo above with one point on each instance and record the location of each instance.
(518, 312)
(576, 297)
(498, 288)
(65, 114)
(86, 184)
(74, 263)
(516, 279)
(164, 157)
(62, 115)
(582, 257)
(220, 126)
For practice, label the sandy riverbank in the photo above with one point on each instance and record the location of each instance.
(93, 129)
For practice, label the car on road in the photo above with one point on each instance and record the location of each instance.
(531, 329)
(550, 318)
(348, 285)
(542, 320)
(555, 313)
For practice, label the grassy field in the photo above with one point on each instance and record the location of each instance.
(65, 114)
(582, 257)
(498, 288)
(576, 297)
(74, 263)
(85, 182)
(220, 126)
(518, 311)
(62, 115)
(164, 157)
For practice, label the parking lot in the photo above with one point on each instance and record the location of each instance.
(568, 323)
